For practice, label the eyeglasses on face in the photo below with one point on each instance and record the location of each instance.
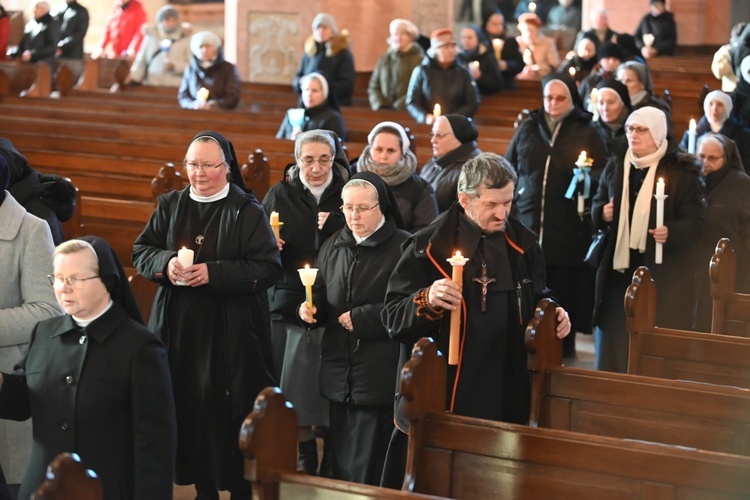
(72, 282)
(360, 209)
(309, 160)
(200, 166)
(710, 158)
(438, 135)
(630, 129)
(555, 98)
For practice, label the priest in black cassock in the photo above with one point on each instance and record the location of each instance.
(504, 279)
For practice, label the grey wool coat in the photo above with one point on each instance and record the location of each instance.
(26, 298)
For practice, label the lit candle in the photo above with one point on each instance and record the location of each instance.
(457, 262)
(474, 64)
(275, 224)
(308, 275)
(582, 163)
(528, 57)
(660, 197)
(497, 45)
(648, 39)
(203, 94)
(691, 137)
(436, 111)
(593, 107)
(532, 7)
(572, 72)
(185, 258)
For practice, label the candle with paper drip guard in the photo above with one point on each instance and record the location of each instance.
(185, 258)
(580, 180)
(457, 262)
(660, 197)
(307, 276)
(203, 94)
(497, 45)
(691, 137)
(436, 111)
(275, 224)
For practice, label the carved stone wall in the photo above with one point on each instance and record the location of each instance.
(272, 55)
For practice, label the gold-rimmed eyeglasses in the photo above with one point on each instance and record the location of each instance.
(360, 209)
(200, 166)
(72, 282)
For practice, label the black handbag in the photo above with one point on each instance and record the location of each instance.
(596, 249)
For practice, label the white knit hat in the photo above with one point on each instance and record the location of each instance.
(324, 19)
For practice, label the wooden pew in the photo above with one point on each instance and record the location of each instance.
(268, 439)
(731, 310)
(678, 354)
(26, 79)
(674, 412)
(68, 478)
(462, 457)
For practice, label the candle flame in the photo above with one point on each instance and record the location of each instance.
(661, 180)
(307, 266)
(572, 71)
(458, 254)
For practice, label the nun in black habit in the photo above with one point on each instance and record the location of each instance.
(358, 358)
(96, 381)
(217, 326)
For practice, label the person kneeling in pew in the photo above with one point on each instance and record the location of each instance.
(503, 281)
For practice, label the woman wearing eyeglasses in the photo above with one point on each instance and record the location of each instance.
(625, 204)
(96, 381)
(727, 216)
(359, 360)
(545, 150)
(307, 200)
(211, 309)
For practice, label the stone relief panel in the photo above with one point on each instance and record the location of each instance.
(273, 47)
(432, 14)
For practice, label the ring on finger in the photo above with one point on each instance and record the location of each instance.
(440, 295)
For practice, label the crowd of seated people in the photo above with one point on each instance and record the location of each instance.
(354, 216)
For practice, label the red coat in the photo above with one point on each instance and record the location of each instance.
(4, 36)
(123, 34)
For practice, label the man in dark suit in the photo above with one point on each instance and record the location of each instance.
(74, 23)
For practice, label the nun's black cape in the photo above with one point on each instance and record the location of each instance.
(217, 335)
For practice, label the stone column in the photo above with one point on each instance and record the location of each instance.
(265, 38)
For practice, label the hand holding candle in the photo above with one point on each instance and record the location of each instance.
(276, 225)
(660, 197)
(307, 276)
(457, 262)
(691, 137)
(185, 258)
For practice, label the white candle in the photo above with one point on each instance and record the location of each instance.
(572, 72)
(660, 196)
(436, 111)
(474, 64)
(691, 137)
(185, 258)
(275, 224)
(532, 7)
(497, 45)
(457, 262)
(203, 93)
(307, 276)
(581, 162)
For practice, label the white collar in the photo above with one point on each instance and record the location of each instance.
(208, 199)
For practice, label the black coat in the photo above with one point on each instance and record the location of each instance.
(664, 30)
(40, 38)
(335, 60)
(104, 393)
(540, 201)
(74, 23)
(302, 239)
(615, 140)
(491, 80)
(322, 117)
(452, 88)
(423, 261)
(684, 216)
(357, 367)
(732, 128)
(221, 79)
(442, 173)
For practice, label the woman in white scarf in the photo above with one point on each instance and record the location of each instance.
(627, 187)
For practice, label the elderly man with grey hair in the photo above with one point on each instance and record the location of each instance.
(40, 36)
(165, 51)
(503, 281)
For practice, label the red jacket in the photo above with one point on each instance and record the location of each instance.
(4, 36)
(123, 33)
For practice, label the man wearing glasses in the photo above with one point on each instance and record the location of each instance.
(453, 140)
